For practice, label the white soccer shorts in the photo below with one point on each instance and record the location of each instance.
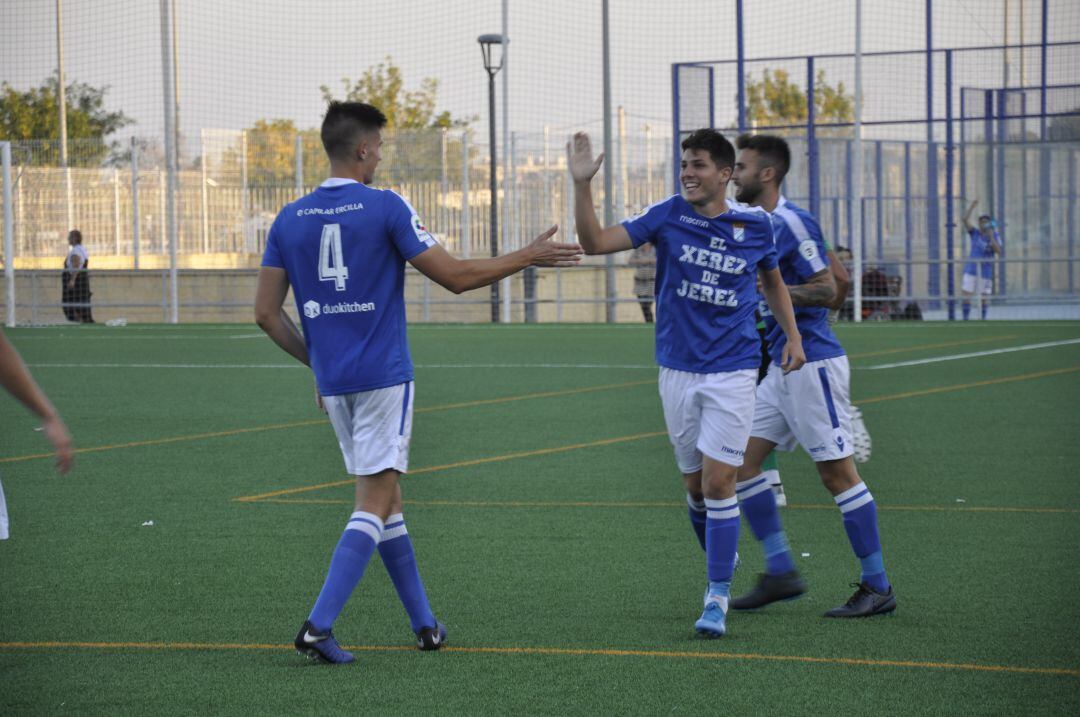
(810, 407)
(970, 281)
(373, 428)
(708, 414)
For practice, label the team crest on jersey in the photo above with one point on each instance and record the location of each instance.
(808, 249)
(740, 232)
(421, 231)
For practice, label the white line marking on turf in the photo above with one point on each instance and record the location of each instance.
(973, 354)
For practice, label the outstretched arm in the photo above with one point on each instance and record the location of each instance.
(460, 275)
(16, 379)
(776, 296)
(270, 313)
(595, 239)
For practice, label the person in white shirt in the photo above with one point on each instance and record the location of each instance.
(75, 282)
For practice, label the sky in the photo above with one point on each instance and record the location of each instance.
(243, 60)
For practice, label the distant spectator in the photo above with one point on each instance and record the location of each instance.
(643, 259)
(979, 269)
(75, 281)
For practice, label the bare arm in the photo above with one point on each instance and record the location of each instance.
(16, 379)
(270, 313)
(776, 296)
(594, 238)
(967, 216)
(842, 279)
(460, 275)
(819, 290)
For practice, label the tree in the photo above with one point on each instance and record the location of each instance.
(34, 115)
(776, 101)
(384, 86)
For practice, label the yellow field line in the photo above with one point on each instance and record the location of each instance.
(962, 386)
(317, 421)
(921, 347)
(573, 652)
(576, 446)
(657, 504)
(462, 464)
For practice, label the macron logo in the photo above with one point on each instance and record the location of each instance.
(311, 309)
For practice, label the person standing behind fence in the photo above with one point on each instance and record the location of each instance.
(643, 259)
(979, 269)
(75, 282)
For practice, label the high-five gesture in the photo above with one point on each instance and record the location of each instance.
(579, 158)
(543, 252)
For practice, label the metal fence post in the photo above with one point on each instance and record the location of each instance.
(950, 209)
(135, 219)
(812, 186)
(9, 232)
(466, 211)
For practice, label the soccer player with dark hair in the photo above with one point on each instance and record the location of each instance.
(342, 249)
(811, 408)
(708, 257)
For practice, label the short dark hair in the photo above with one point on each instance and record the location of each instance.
(76, 235)
(344, 123)
(774, 150)
(986, 217)
(721, 151)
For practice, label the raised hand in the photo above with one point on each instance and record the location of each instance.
(543, 252)
(579, 158)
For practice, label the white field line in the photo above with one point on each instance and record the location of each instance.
(973, 354)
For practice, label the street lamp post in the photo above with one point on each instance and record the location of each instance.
(486, 43)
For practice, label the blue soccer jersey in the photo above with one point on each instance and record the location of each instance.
(706, 278)
(344, 248)
(801, 251)
(981, 255)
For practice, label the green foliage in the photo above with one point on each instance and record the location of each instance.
(775, 100)
(384, 86)
(34, 115)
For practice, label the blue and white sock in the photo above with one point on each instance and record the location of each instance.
(696, 510)
(362, 534)
(860, 521)
(396, 551)
(758, 503)
(721, 542)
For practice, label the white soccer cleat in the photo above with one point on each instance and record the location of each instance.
(860, 437)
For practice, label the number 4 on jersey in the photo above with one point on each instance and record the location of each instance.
(331, 262)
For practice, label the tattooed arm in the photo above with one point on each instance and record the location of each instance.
(819, 290)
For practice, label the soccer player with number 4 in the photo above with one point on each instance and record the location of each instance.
(811, 408)
(342, 249)
(708, 257)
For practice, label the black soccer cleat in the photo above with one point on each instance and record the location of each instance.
(431, 638)
(321, 647)
(865, 602)
(770, 589)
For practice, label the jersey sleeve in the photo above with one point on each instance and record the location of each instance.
(645, 226)
(272, 253)
(809, 255)
(769, 259)
(406, 230)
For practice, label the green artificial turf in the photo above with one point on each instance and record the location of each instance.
(550, 527)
